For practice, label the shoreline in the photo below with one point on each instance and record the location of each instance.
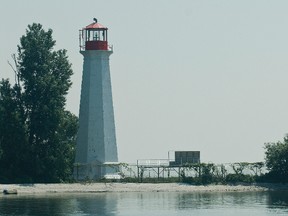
(136, 187)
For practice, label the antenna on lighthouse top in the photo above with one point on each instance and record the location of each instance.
(95, 20)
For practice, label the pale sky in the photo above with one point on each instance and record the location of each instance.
(186, 75)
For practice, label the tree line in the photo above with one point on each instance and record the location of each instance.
(37, 133)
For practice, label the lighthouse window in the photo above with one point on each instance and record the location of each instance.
(95, 37)
(87, 35)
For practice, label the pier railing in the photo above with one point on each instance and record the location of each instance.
(153, 162)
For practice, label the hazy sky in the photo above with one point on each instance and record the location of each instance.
(186, 75)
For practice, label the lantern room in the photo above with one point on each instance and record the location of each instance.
(93, 37)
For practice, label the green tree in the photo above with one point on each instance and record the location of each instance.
(256, 168)
(43, 81)
(12, 134)
(276, 157)
(238, 168)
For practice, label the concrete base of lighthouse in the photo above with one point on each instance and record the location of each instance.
(96, 171)
(96, 140)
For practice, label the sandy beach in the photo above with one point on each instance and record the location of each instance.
(134, 187)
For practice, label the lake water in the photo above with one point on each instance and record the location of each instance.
(148, 204)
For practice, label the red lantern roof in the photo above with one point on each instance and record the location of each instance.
(95, 25)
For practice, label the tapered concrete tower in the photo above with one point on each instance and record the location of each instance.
(96, 140)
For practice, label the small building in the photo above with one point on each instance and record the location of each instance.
(185, 158)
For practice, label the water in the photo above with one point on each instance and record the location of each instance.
(148, 203)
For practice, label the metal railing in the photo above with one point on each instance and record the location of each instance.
(153, 162)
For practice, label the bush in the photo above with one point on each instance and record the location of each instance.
(234, 178)
(277, 160)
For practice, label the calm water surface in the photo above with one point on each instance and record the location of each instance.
(148, 203)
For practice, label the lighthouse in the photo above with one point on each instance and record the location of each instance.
(96, 140)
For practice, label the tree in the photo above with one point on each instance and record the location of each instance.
(256, 168)
(12, 133)
(276, 157)
(238, 168)
(43, 81)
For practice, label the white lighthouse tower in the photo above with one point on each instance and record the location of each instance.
(96, 140)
